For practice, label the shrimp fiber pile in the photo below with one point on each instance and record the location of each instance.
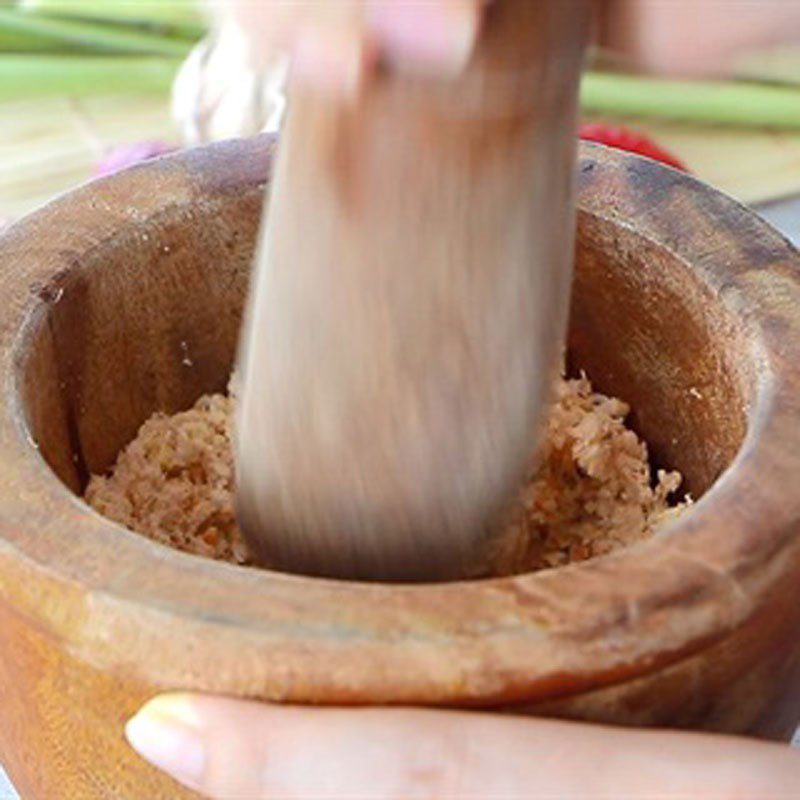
(591, 491)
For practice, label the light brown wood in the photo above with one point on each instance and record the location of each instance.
(684, 303)
(409, 309)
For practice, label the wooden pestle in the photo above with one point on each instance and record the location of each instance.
(409, 306)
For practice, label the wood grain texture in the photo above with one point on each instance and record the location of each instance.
(684, 303)
(409, 307)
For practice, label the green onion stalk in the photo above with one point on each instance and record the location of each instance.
(90, 35)
(181, 15)
(26, 76)
(732, 103)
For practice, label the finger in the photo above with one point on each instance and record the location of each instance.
(228, 748)
(333, 45)
(268, 27)
(435, 37)
(334, 61)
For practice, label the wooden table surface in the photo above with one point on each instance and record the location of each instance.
(48, 145)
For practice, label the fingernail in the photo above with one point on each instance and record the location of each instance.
(166, 732)
(426, 36)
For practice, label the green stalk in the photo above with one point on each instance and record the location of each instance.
(16, 42)
(183, 14)
(26, 76)
(710, 103)
(91, 34)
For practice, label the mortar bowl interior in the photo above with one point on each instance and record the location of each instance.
(127, 299)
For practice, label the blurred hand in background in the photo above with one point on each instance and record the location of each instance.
(696, 38)
(333, 44)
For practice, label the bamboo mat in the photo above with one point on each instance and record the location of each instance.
(50, 145)
(755, 166)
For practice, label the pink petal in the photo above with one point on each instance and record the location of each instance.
(129, 154)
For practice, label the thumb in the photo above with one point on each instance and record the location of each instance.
(228, 748)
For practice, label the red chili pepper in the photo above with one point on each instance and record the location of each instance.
(633, 142)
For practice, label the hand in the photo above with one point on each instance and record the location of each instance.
(334, 45)
(696, 38)
(228, 748)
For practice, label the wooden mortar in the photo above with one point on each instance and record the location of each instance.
(125, 296)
